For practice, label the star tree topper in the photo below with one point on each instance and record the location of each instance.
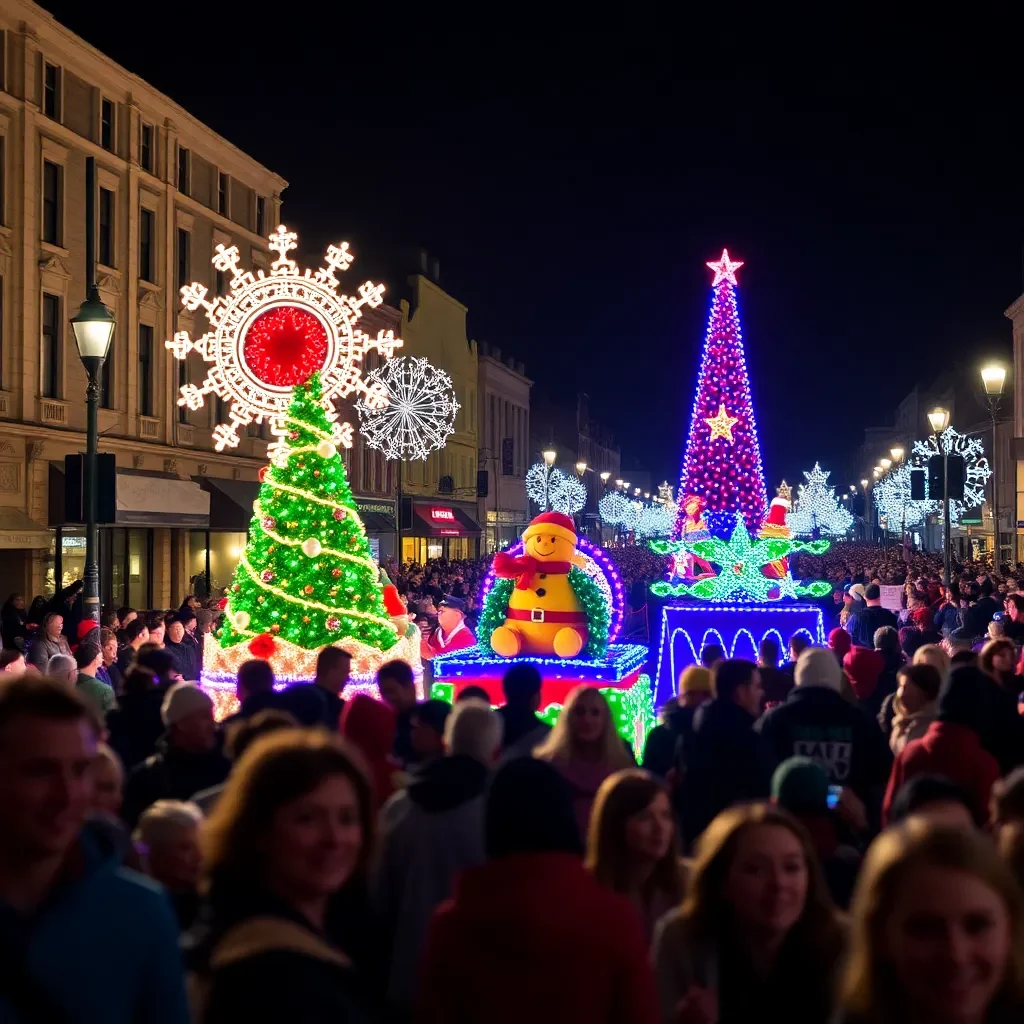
(274, 331)
(725, 270)
(722, 424)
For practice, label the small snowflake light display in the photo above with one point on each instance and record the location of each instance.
(553, 489)
(273, 331)
(891, 495)
(570, 497)
(976, 469)
(818, 509)
(420, 410)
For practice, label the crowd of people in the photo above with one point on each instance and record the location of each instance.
(831, 833)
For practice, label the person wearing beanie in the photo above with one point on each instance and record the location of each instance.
(864, 667)
(816, 721)
(189, 757)
(667, 740)
(952, 746)
(534, 897)
(839, 642)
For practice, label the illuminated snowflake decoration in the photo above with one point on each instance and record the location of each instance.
(818, 508)
(976, 469)
(612, 507)
(561, 492)
(273, 331)
(891, 495)
(420, 411)
(656, 520)
(570, 496)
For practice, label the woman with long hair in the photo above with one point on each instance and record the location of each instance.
(632, 846)
(293, 827)
(937, 932)
(585, 748)
(757, 929)
(998, 659)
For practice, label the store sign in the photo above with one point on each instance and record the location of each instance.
(449, 533)
(381, 508)
(442, 515)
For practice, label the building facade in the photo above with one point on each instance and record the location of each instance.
(169, 189)
(438, 503)
(503, 429)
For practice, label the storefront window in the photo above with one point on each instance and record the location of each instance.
(72, 545)
(225, 551)
(138, 568)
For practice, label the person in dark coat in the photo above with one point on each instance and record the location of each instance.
(775, 683)
(816, 721)
(727, 760)
(333, 665)
(256, 693)
(863, 623)
(184, 653)
(135, 725)
(667, 741)
(534, 901)
(13, 620)
(188, 759)
(522, 727)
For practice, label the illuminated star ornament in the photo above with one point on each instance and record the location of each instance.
(273, 331)
(722, 424)
(725, 270)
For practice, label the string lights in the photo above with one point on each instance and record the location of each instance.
(548, 487)
(818, 511)
(976, 469)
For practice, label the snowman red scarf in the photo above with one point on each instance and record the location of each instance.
(522, 568)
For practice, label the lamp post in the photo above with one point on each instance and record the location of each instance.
(93, 325)
(885, 464)
(897, 457)
(549, 460)
(938, 420)
(993, 377)
(869, 512)
(604, 478)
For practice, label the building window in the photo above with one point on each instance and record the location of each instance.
(221, 283)
(147, 227)
(184, 169)
(51, 90)
(106, 379)
(106, 253)
(182, 381)
(51, 202)
(223, 184)
(261, 215)
(145, 370)
(107, 124)
(50, 356)
(184, 257)
(146, 148)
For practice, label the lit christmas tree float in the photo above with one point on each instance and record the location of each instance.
(730, 581)
(284, 347)
(818, 511)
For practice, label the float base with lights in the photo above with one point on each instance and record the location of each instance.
(730, 582)
(283, 347)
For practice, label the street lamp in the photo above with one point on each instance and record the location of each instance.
(896, 453)
(938, 420)
(581, 467)
(549, 455)
(94, 327)
(993, 377)
(604, 477)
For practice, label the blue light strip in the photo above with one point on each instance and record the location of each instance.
(620, 661)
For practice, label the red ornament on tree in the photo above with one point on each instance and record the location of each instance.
(285, 346)
(223, 602)
(266, 575)
(333, 624)
(335, 573)
(262, 474)
(262, 646)
(339, 514)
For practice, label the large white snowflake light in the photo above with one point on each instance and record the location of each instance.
(976, 469)
(273, 331)
(420, 410)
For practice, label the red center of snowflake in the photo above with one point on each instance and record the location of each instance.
(285, 346)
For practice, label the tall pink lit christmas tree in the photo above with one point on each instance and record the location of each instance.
(723, 460)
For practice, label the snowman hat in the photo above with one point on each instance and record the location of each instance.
(557, 524)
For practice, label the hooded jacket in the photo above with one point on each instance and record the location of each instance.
(102, 947)
(428, 834)
(135, 725)
(866, 669)
(370, 725)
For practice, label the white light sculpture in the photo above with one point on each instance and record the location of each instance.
(893, 502)
(420, 411)
(976, 468)
(612, 507)
(656, 520)
(274, 330)
(570, 496)
(817, 508)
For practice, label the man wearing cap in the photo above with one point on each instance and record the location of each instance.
(452, 633)
(188, 758)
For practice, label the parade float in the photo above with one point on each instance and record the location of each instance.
(284, 347)
(556, 601)
(730, 581)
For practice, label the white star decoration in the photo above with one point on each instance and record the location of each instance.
(725, 269)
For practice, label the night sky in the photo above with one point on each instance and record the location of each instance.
(573, 181)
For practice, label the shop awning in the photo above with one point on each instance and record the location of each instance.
(230, 502)
(378, 516)
(444, 521)
(18, 531)
(145, 499)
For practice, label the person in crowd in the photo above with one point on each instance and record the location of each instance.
(333, 666)
(184, 652)
(428, 725)
(798, 643)
(863, 623)
(959, 645)
(398, 690)
(816, 722)
(711, 655)
(429, 832)
(188, 759)
(864, 668)
(12, 662)
(757, 929)
(240, 736)
(134, 634)
(82, 939)
(839, 642)
(187, 617)
(256, 692)
(156, 623)
(534, 901)
(727, 761)
(452, 633)
(906, 714)
(1006, 821)
(159, 661)
(936, 799)
(775, 683)
(206, 622)
(952, 745)
(167, 839)
(126, 615)
(853, 604)
(135, 725)
(934, 655)
(947, 615)
(937, 931)
(48, 641)
(800, 787)
(631, 844)
(369, 725)
(585, 748)
(107, 782)
(473, 693)
(522, 727)
(1013, 623)
(979, 614)
(100, 696)
(14, 624)
(63, 668)
(294, 827)
(109, 671)
(667, 741)
(887, 643)
(998, 659)
(920, 611)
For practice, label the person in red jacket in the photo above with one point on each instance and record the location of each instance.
(531, 935)
(952, 746)
(452, 633)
